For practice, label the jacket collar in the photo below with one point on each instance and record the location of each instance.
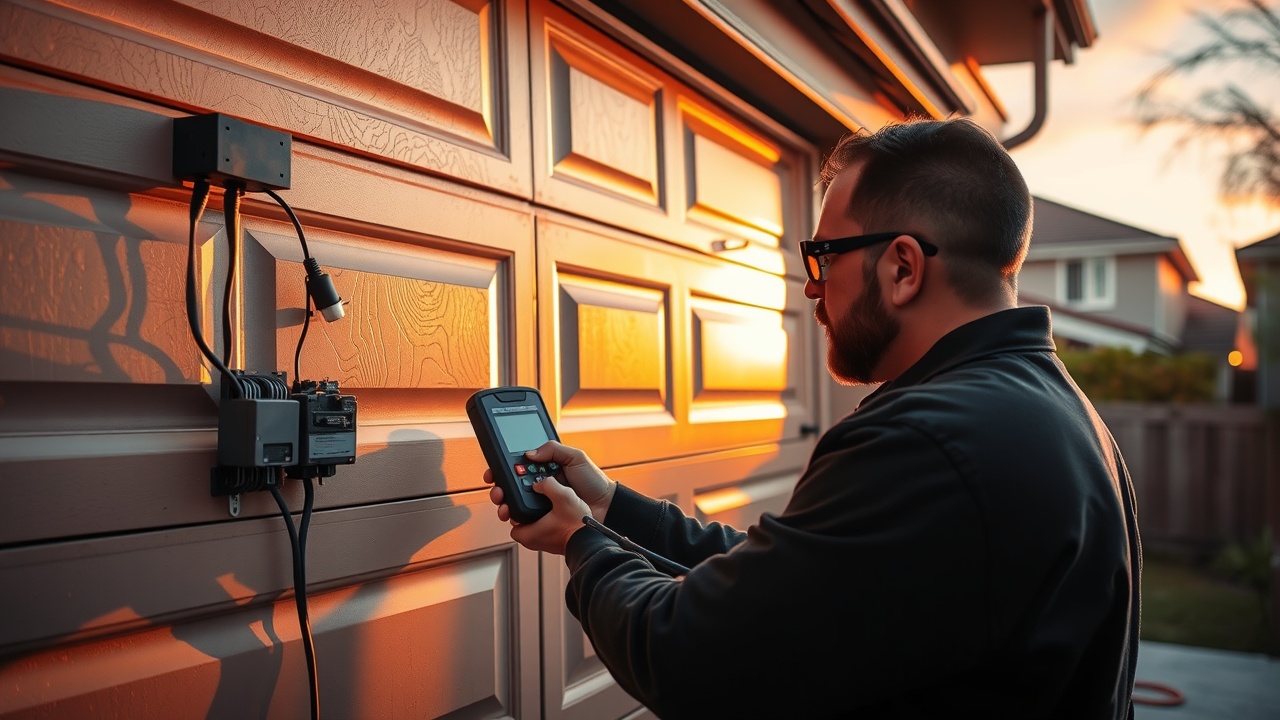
(1024, 329)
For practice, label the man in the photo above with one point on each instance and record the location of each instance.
(963, 545)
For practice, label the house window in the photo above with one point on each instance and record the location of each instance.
(1075, 281)
(1088, 282)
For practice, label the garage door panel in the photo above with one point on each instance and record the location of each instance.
(440, 85)
(443, 640)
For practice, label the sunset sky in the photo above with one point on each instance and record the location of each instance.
(1092, 155)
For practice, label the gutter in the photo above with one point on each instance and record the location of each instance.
(1044, 36)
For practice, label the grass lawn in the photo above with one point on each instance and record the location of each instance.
(1190, 604)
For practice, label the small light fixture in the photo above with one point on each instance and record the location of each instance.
(323, 293)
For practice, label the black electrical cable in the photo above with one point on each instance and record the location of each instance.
(257, 386)
(297, 352)
(231, 214)
(297, 543)
(660, 563)
(306, 255)
(199, 200)
(298, 540)
(308, 504)
(279, 390)
(302, 238)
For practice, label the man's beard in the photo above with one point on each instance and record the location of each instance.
(858, 341)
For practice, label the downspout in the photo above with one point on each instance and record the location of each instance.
(1043, 56)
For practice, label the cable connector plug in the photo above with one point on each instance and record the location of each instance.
(323, 294)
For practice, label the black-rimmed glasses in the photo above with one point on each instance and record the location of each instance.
(817, 253)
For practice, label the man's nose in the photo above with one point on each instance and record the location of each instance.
(813, 290)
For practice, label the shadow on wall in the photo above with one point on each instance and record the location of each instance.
(91, 297)
(75, 287)
(361, 613)
(353, 626)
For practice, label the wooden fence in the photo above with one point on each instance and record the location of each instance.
(1204, 474)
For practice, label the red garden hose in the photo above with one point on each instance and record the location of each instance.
(1161, 695)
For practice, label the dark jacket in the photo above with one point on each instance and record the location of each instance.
(963, 545)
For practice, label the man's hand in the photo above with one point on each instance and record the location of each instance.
(588, 491)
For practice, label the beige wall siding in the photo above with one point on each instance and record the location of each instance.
(1149, 292)
(1137, 290)
(1039, 278)
(1171, 302)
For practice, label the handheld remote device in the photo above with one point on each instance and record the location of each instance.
(508, 421)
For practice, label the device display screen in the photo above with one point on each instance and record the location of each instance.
(521, 431)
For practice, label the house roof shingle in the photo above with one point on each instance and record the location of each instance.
(1251, 258)
(1264, 249)
(1210, 327)
(1056, 223)
(1060, 231)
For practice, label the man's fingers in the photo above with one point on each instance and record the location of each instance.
(552, 451)
(488, 476)
(496, 495)
(553, 490)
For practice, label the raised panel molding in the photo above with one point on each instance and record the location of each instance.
(800, 394)
(441, 640)
(438, 84)
(584, 674)
(399, 332)
(737, 348)
(624, 141)
(726, 349)
(730, 175)
(129, 582)
(576, 684)
(438, 50)
(443, 637)
(741, 505)
(739, 363)
(613, 346)
(604, 119)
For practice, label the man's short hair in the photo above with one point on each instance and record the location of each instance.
(952, 182)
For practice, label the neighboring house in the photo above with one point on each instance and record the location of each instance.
(1109, 283)
(1115, 285)
(600, 199)
(1260, 270)
(1216, 330)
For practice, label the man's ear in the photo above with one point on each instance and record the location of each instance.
(906, 269)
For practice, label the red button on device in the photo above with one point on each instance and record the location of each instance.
(520, 470)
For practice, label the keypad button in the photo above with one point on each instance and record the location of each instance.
(521, 469)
